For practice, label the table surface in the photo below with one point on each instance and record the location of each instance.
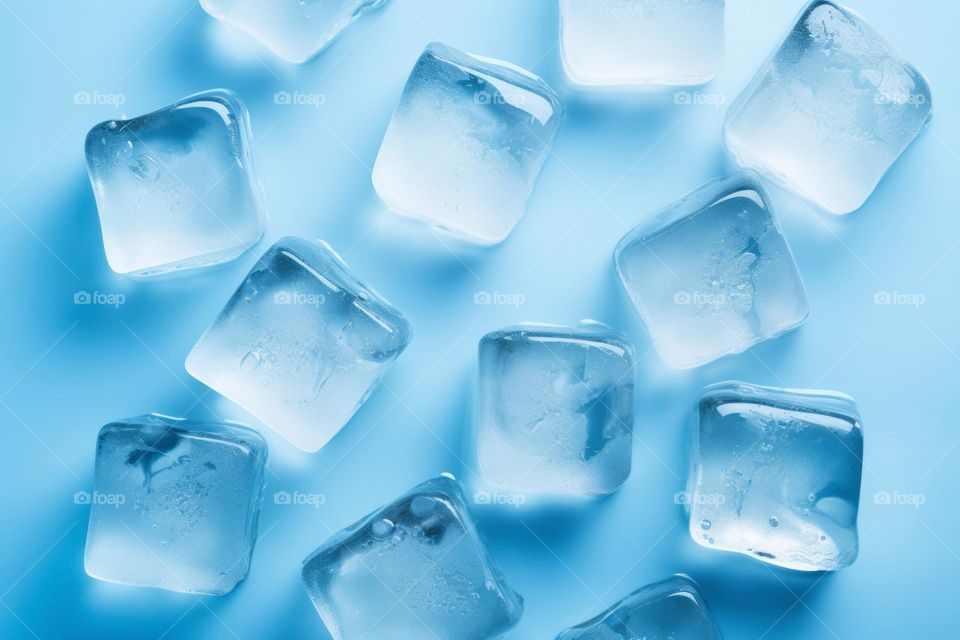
(67, 369)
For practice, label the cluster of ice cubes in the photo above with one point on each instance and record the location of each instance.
(774, 473)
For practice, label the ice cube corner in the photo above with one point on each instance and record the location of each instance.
(175, 504)
(301, 343)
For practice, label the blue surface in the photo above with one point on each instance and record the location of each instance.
(68, 369)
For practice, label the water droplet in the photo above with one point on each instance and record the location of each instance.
(422, 506)
(250, 361)
(812, 497)
(383, 528)
(448, 475)
(774, 522)
(705, 525)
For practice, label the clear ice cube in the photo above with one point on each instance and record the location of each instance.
(775, 474)
(623, 43)
(466, 143)
(295, 30)
(175, 504)
(555, 408)
(301, 344)
(830, 111)
(413, 570)
(175, 188)
(672, 609)
(712, 274)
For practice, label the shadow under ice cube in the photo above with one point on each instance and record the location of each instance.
(301, 344)
(175, 504)
(672, 609)
(413, 570)
(712, 274)
(775, 474)
(175, 188)
(830, 111)
(466, 143)
(555, 409)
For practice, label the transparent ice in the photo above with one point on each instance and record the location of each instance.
(301, 344)
(466, 143)
(830, 111)
(672, 609)
(175, 504)
(712, 274)
(555, 409)
(295, 30)
(175, 188)
(775, 474)
(413, 570)
(641, 42)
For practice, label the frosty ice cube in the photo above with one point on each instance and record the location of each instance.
(175, 188)
(671, 609)
(412, 570)
(466, 143)
(830, 111)
(623, 43)
(175, 504)
(295, 30)
(555, 408)
(301, 344)
(775, 474)
(712, 274)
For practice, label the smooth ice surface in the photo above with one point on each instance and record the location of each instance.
(672, 609)
(555, 408)
(175, 188)
(775, 474)
(466, 143)
(830, 111)
(295, 30)
(413, 570)
(712, 274)
(641, 42)
(175, 504)
(301, 343)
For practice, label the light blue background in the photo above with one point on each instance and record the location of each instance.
(67, 369)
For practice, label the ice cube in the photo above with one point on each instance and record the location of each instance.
(712, 274)
(555, 408)
(466, 143)
(175, 188)
(175, 504)
(671, 609)
(611, 43)
(295, 30)
(301, 343)
(413, 570)
(775, 474)
(830, 111)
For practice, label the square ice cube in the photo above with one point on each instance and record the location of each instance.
(775, 474)
(295, 30)
(413, 570)
(555, 408)
(466, 143)
(623, 43)
(175, 188)
(301, 344)
(830, 111)
(670, 609)
(712, 274)
(175, 504)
